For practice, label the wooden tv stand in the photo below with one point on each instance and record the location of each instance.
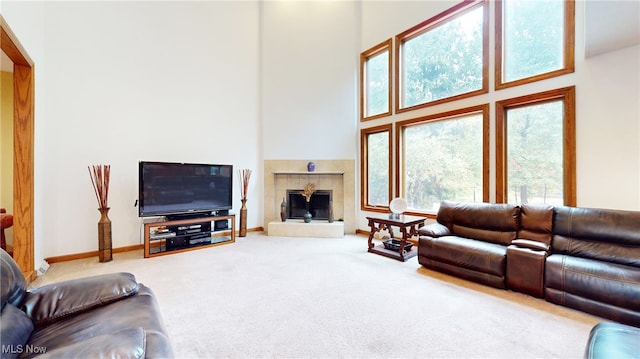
(175, 236)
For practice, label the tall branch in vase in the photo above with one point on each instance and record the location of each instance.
(245, 176)
(100, 177)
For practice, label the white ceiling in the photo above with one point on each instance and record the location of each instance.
(609, 25)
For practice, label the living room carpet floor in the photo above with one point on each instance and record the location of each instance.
(285, 297)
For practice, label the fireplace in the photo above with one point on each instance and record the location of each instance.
(319, 205)
(338, 176)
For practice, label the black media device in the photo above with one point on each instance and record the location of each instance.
(184, 190)
(221, 224)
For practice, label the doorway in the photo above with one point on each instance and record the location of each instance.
(23, 139)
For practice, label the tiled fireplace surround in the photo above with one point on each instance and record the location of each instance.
(335, 175)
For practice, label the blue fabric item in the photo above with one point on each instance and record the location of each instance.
(12, 282)
(15, 330)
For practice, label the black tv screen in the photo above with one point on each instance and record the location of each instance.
(171, 189)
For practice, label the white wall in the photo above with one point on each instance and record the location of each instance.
(131, 81)
(608, 130)
(309, 63)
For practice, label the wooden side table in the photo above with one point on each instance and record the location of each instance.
(6, 222)
(408, 226)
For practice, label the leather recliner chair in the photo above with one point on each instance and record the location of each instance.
(106, 316)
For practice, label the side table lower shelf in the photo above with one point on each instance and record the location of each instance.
(381, 250)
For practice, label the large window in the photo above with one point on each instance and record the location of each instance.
(375, 82)
(443, 58)
(534, 40)
(442, 64)
(376, 167)
(444, 157)
(535, 147)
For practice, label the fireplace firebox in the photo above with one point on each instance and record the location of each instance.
(319, 205)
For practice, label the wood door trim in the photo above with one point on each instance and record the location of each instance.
(23, 154)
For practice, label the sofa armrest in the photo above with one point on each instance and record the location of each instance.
(53, 302)
(434, 230)
(527, 243)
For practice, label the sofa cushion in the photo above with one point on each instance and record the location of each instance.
(467, 253)
(536, 223)
(605, 282)
(601, 288)
(15, 329)
(602, 234)
(489, 222)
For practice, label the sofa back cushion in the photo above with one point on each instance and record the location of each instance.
(602, 234)
(536, 223)
(488, 222)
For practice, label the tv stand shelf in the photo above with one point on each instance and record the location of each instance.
(182, 235)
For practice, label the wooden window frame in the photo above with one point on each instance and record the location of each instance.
(364, 58)
(364, 170)
(428, 25)
(567, 95)
(400, 161)
(569, 48)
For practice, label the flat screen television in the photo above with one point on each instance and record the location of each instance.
(183, 189)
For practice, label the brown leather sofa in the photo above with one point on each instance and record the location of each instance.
(470, 240)
(106, 316)
(594, 264)
(584, 258)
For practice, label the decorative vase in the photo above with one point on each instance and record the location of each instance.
(311, 166)
(283, 210)
(307, 215)
(243, 218)
(104, 236)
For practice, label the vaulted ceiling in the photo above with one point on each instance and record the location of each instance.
(609, 25)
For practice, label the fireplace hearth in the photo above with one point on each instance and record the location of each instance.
(319, 205)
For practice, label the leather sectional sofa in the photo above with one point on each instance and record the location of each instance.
(106, 316)
(583, 258)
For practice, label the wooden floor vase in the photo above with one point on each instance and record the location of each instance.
(104, 236)
(243, 219)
